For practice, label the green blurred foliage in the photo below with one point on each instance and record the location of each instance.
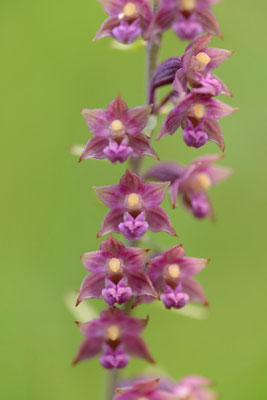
(50, 69)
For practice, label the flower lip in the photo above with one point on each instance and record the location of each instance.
(188, 5)
(113, 333)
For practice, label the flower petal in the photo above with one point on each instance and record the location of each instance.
(112, 7)
(165, 171)
(192, 266)
(96, 121)
(216, 109)
(106, 28)
(217, 56)
(174, 254)
(154, 193)
(194, 47)
(111, 222)
(159, 220)
(174, 192)
(137, 119)
(174, 119)
(112, 245)
(131, 182)
(164, 18)
(141, 146)
(218, 174)
(136, 346)
(118, 108)
(110, 195)
(214, 132)
(94, 261)
(194, 291)
(209, 22)
(89, 349)
(94, 148)
(134, 258)
(92, 286)
(141, 284)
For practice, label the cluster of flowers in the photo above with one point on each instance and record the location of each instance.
(118, 130)
(120, 273)
(189, 388)
(130, 19)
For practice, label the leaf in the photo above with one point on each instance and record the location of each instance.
(76, 149)
(166, 109)
(114, 44)
(193, 311)
(151, 125)
(84, 312)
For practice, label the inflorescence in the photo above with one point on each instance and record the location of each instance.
(126, 275)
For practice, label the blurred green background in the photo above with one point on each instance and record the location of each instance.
(50, 69)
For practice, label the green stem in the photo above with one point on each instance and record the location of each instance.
(111, 382)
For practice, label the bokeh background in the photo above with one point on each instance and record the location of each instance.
(50, 69)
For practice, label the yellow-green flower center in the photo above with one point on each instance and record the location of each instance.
(204, 180)
(174, 271)
(203, 58)
(129, 10)
(113, 333)
(188, 5)
(114, 265)
(199, 110)
(201, 181)
(116, 125)
(133, 200)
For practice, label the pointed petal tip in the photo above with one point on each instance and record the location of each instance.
(207, 304)
(74, 362)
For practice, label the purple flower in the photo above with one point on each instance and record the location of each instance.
(171, 274)
(116, 336)
(194, 387)
(197, 113)
(197, 63)
(146, 389)
(188, 18)
(117, 132)
(135, 207)
(192, 182)
(127, 19)
(116, 273)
